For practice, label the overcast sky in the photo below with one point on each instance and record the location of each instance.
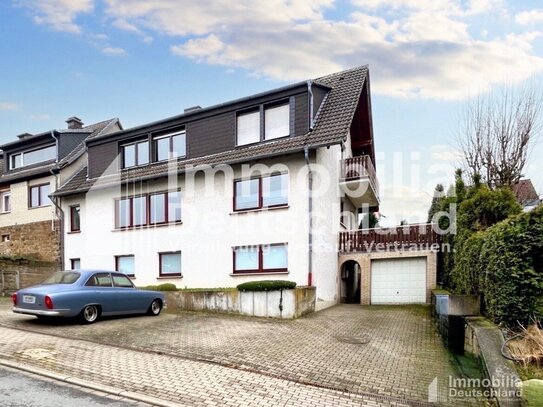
(143, 60)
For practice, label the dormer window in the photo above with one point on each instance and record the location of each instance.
(170, 146)
(32, 157)
(135, 154)
(277, 121)
(248, 128)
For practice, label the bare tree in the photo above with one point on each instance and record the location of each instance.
(496, 134)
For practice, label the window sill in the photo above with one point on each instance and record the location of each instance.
(5, 213)
(158, 225)
(172, 277)
(263, 273)
(73, 232)
(266, 209)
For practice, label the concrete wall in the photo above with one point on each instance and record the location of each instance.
(24, 273)
(364, 260)
(295, 303)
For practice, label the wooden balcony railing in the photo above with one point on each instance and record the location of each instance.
(355, 168)
(409, 237)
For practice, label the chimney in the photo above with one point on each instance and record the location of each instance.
(74, 123)
(24, 135)
(192, 109)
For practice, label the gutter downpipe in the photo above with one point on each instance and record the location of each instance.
(310, 218)
(310, 193)
(59, 211)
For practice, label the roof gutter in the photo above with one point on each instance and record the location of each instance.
(310, 219)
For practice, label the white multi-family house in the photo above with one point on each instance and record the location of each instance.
(257, 188)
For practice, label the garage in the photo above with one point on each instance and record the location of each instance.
(398, 281)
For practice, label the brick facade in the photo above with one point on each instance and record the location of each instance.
(364, 260)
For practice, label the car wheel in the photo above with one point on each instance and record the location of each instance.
(155, 308)
(90, 314)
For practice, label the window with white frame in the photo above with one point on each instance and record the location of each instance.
(135, 154)
(125, 264)
(248, 128)
(276, 121)
(5, 204)
(170, 146)
(32, 157)
(75, 264)
(271, 258)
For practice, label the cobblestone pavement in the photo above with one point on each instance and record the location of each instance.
(387, 355)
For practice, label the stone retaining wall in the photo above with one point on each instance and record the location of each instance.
(273, 304)
(36, 240)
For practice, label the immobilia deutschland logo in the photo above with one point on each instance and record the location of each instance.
(503, 387)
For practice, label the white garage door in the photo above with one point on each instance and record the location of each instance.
(396, 281)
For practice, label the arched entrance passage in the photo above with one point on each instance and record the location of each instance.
(350, 283)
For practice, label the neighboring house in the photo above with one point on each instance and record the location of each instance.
(32, 168)
(526, 194)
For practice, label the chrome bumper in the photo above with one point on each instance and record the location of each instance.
(53, 313)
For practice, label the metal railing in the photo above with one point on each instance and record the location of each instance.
(396, 238)
(355, 168)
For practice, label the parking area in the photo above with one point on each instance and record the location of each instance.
(389, 351)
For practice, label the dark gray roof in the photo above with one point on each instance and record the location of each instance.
(332, 124)
(44, 167)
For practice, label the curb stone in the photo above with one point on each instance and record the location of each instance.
(89, 385)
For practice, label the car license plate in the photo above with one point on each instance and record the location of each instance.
(29, 299)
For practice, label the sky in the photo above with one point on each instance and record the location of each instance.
(143, 60)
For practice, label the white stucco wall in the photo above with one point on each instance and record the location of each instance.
(326, 227)
(209, 231)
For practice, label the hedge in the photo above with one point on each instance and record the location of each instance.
(505, 265)
(161, 287)
(511, 264)
(267, 285)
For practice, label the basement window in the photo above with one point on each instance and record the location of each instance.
(6, 238)
(272, 258)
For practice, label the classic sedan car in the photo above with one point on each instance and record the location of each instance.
(87, 294)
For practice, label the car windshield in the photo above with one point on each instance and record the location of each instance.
(63, 277)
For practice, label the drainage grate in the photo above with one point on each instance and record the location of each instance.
(354, 340)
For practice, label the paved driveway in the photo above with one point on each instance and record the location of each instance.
(387, 351)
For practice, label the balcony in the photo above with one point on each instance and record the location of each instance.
(409, 237)
(358, 181)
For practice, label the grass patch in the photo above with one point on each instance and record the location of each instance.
(532, 393)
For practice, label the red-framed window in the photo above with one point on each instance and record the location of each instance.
(38, 195)
(75, 218)
(263, 192)
(169, 264)
(149, 209)
(270, 258)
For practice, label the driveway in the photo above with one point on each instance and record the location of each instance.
(389, 352)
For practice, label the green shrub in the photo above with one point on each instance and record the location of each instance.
(161, 287)
(466, 274)
(512, 262)
(267, 285)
